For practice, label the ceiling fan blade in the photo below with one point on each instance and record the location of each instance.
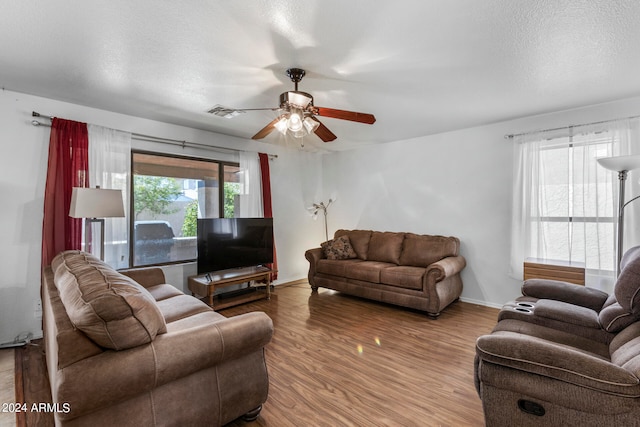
(323, 132)
(266, 130)
(229, 112)
(346, 115)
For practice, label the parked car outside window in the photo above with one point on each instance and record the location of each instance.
(154, 241)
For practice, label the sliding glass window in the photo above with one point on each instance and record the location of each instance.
(169, 194)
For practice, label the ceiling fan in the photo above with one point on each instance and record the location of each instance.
(298, 113)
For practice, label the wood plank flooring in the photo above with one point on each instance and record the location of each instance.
(337, 360)
(7, 386)
(34, 387)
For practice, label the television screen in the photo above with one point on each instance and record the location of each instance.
(225, 243)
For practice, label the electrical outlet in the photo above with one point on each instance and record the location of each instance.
(38, 310)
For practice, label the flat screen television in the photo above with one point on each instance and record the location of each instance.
(225, 243)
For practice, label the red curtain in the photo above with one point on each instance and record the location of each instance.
(266, 200)
(67, 168)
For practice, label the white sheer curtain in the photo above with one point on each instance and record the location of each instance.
(110, 167)
(251, 205)
(565, 204)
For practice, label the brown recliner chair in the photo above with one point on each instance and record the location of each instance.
(563, 354)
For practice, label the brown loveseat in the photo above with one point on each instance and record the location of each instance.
(564, 354)
(406, 269)
(130, 350)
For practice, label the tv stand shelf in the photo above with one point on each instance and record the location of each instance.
(205, 287)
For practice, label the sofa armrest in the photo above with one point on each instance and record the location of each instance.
(119, 375)
(442, 283)
(313, 256)
(146, 276)
(565, 292)
(557, 361)
(446, 267)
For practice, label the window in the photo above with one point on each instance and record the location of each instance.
(169, 194)
(565, 203)
(572, 214)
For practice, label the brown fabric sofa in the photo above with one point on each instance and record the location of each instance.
(416, 271)
(129, 350)
(563, 354)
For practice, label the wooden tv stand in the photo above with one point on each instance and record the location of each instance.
(201, 286)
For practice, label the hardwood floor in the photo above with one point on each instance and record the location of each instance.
(337, 360)
(7, 386)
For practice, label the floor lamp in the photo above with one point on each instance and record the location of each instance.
(322, 207)
(95, 204)
(622, 165)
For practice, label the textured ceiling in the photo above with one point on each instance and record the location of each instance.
(421, 67)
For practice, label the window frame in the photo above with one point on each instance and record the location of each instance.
(221, 167)
(556, 143)
(574, 218)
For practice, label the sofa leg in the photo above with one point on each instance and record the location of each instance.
(314, 289)
(252, 415)
(433, 316)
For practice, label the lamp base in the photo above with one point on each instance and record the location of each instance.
(89, 245)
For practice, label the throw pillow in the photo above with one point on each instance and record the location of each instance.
(338, 248)
(110, 308)
(359, 241)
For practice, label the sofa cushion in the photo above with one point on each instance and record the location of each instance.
(403, 277)
(338, 248)
(424, 250)
(570, 314)
(180, 307)
(110, 308)
(359, 240)
(335, 267)
(614, 318)
(162, 292)
(366, 271)
(385, 246)
(625, 346)
(627, 288)
(622, 308)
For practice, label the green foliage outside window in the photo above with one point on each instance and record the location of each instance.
(155, 194)
(231, 190)
(190, 224)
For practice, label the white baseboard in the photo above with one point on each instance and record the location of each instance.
(483, 303)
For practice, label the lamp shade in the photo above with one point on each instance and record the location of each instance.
(96, 203)
(620, 163)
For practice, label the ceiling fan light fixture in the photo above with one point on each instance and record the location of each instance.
(298, 114)
(299, 99)
(281, 125)
(299, 134)
(310, 125)
(295, 121)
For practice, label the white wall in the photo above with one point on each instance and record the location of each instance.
(456, 183)
(23, 165)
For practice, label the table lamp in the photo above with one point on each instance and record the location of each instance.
(95, 204)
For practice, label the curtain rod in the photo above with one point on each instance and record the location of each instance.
(142, 137)
(513, 135)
